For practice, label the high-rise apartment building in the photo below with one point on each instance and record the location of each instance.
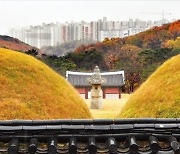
(57, 33)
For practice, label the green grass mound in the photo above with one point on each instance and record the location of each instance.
(31, 90)
(159, 96)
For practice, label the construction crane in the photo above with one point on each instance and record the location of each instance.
(163, 14)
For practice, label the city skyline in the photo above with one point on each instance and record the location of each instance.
(52, 34)
(24, 13)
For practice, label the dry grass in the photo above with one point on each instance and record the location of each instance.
(111, 107)
(159, 96)
(29, 89)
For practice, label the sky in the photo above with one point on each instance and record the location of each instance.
(14, 13)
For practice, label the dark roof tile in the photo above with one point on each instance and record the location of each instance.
(113, 79)
(161, 136)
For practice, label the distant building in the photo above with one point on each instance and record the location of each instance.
(111, 89)
(53, 34)
(112, 34)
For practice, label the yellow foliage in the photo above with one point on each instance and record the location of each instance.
(31, 90)
(159, 96)
(173, 43)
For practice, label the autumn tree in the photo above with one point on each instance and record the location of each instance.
(127, 61)
(174, 29)
(172, 43)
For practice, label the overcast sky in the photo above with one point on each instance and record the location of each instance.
(22, 13)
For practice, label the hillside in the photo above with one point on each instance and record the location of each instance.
(31, 90)
(159, 96)
(155, 37)
(14, 44)
(138, 55)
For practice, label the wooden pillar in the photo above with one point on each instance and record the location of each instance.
(119, 92)
(104, 93)
(86, 93)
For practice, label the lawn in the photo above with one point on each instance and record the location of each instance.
(110, 109)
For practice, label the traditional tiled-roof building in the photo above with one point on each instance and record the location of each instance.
(111, 89)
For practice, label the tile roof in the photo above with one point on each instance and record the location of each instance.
(114, 79)
(120, 136)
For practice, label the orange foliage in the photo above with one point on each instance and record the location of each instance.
(174, 28)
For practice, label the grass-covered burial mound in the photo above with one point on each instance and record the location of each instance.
(31, 90)
(159, 96)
